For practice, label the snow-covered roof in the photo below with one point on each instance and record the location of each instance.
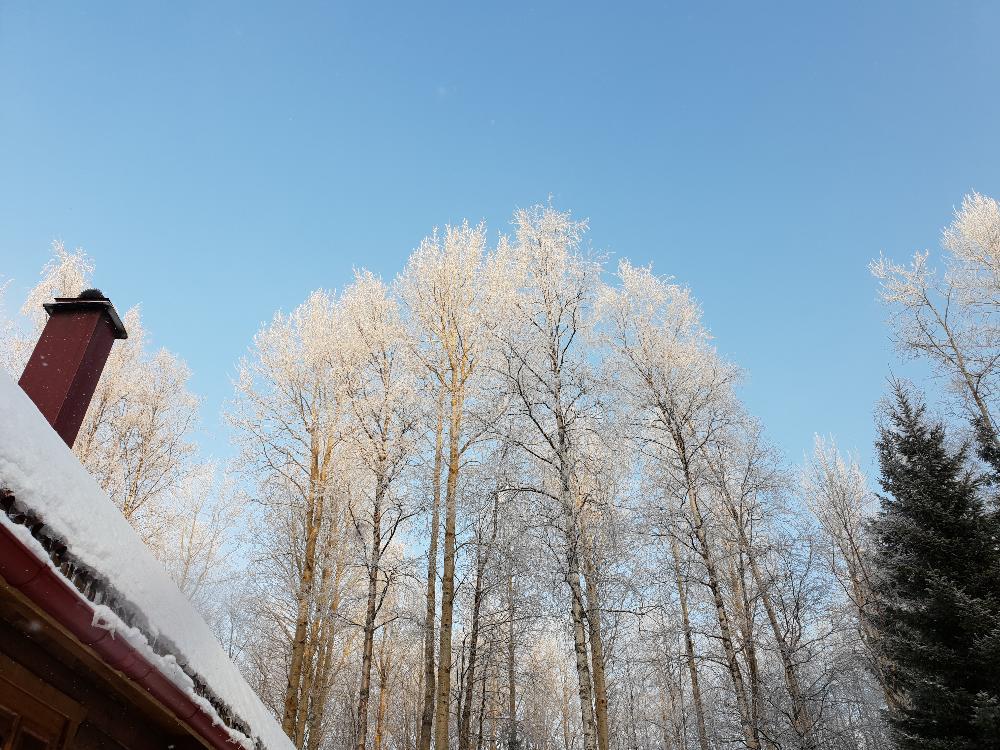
(151, 613)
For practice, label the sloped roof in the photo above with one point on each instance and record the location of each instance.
(137, 600)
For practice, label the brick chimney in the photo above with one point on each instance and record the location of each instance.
(68, 359)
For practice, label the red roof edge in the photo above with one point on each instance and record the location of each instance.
(48, 591)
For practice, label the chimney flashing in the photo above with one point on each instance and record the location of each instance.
(79, 304)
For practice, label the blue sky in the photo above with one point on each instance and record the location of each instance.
(220, 160)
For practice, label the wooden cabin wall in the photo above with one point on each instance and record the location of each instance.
(110, 721)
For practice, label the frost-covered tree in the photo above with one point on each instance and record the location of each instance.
(65, 274)
(289, 417)
(380, 394)
(453, 292)
(549, 377)
(749, 487)
(197, 538)
(621, 561)
(837, 494)
(136, 438)
(953, 317)
(680, 393)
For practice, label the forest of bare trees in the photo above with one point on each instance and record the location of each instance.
(511, 499)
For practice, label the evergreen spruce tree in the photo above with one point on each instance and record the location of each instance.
(988, 644)
(937, 582)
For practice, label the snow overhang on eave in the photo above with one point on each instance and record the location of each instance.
(27, 565)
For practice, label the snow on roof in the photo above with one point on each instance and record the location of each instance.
(48, 480)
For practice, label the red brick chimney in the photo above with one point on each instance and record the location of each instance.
(68, 359)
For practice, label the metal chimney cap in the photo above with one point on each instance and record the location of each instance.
(89, 299)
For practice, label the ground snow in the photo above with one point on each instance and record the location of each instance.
(47, 479)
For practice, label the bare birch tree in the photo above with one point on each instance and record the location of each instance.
(681, 394)
(951, 318)
(621, 559)
(380, 392)
(549, 377)
(836, 492)
(452, 291)
(289, 417)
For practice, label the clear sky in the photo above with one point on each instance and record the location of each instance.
(219, 160)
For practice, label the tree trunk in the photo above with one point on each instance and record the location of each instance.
(298, 641)
(385, 664)
(860, 593)
(725, 629)
(312, 673)
(321, 688)
(744, 618)
(443, 712)
(482, 696)
(427, 715)
(699, 706)
(565, 715)
(511, 682)
(582, 661)
(314, 515)
(667, 723)
(317, 701)
(310, 664)
(577, 612)
(460, 687)
(596, 651)
(675, 691)
(465, 720)
(802, 720)
(370, 612)
(317, 698)
(494, 713)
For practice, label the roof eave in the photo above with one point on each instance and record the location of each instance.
(22, 569)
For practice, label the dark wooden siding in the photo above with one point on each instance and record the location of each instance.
(114, 713)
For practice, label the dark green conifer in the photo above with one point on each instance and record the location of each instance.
(936, 592)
